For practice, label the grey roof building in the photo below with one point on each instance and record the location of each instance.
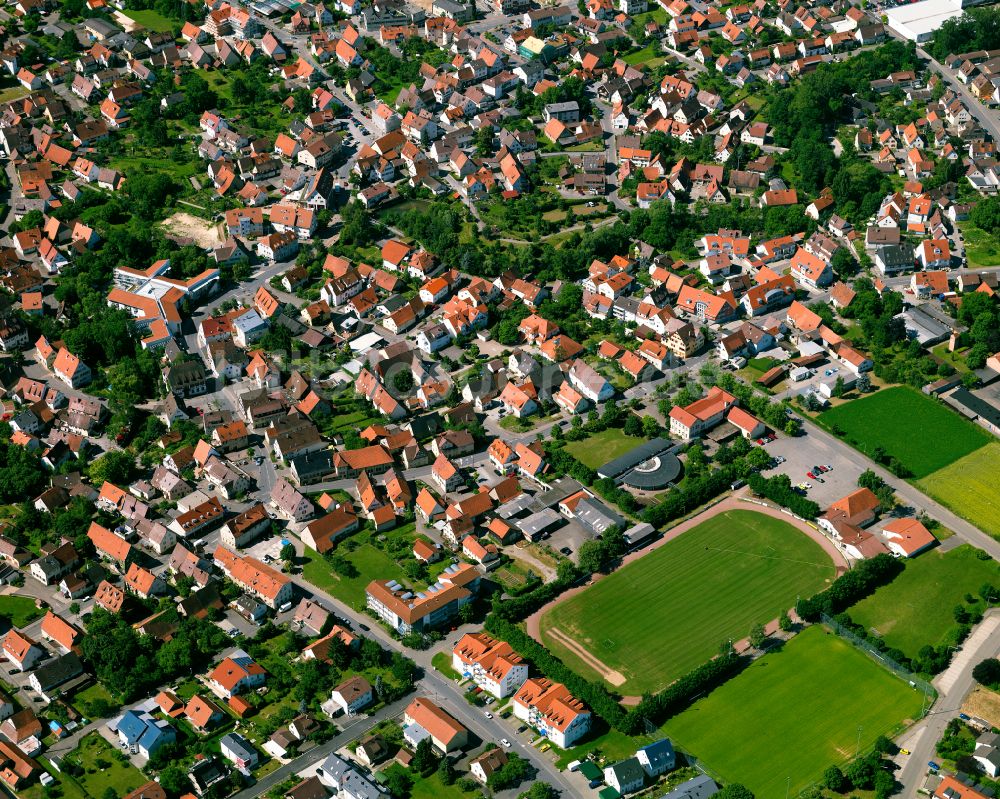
(701, 787)
(337, 773)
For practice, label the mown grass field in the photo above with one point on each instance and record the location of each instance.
(795, 712)
(660, 616)
(969, 487)
(921, 432)
(605, 446)
(916, 608)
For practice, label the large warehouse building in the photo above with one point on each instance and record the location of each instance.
(918, 21)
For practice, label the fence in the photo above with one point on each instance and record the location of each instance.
(881, 657)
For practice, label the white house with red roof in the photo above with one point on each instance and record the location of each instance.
(552, 710)
(701, 415)
(491, 664)
(907, 537)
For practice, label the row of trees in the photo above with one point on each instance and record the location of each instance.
(779, 489)
(850, 588)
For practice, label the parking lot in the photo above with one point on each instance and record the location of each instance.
(804, 452)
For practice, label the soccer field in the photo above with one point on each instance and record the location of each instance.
(917, 607)
(921, 432)
(660, 616)
(969, 488)
(793, 713)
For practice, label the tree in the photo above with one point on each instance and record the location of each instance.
(398, 782)
(650, 427)
(591, 556)
(885, 746)
(985, 215)
(424, 759)
(987, 672)
(539, 790)
(402, 381)
(446, 769)
(633, 426)
(114, 466)
(515, 771)
(838, 387)
(287, 553)
(785, 621)
(757, 636)
(863, 383)
(834, 780)
(175, 781)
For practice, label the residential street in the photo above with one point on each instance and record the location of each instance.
(350, 732)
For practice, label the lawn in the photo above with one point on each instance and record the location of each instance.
(602, 447)
(969, 488)
(648, 55)
(433, 787)
(370, 563)
(668, 612)
(442, 663)
(84, 700)
(916, 608)
(151, 20)
(921, 432)
(795, 712)
(955, 359)
(20, 610)
(105, 768)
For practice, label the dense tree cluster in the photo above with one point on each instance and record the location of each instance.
(979, 313)
(21, 472)
(131, 665)
(976, 29)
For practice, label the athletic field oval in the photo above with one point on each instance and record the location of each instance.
(658, 617)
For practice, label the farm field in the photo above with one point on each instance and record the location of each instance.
(915, 609)
(660, 616)
(888, 419)
(969, 488)
(816, 694)
(603, 447)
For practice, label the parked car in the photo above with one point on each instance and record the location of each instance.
(488, 714)
(505, 742)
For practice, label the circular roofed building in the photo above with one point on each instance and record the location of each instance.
(649, 467)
